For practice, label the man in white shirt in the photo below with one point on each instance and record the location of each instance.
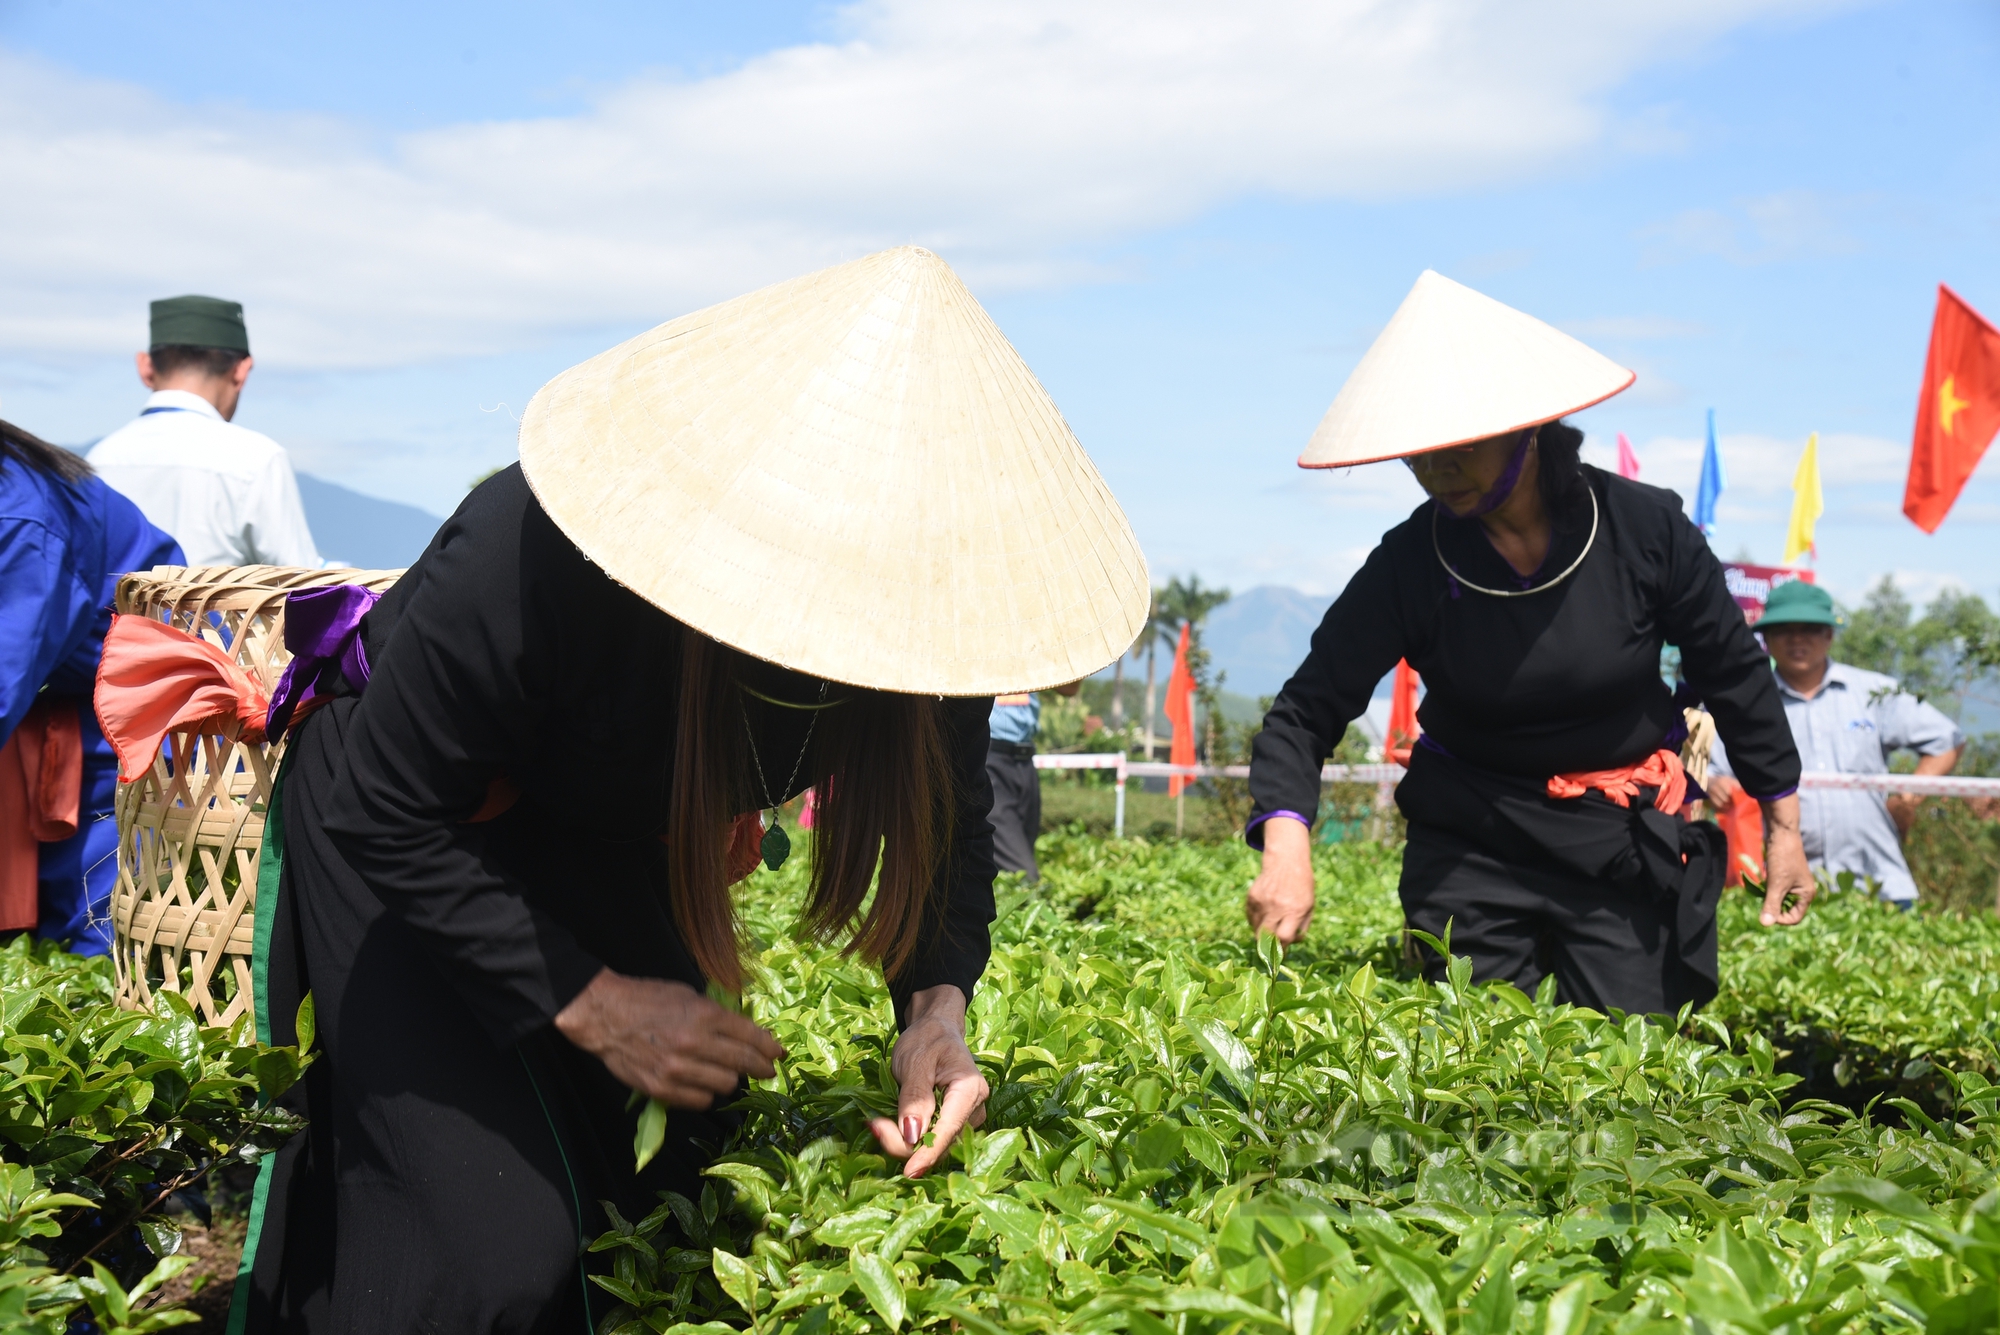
(1845, 720)
(225, 492)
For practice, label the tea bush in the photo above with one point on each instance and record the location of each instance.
(104, 1116)
(1860, 1000)
(1863, 999)
(1188, 1135)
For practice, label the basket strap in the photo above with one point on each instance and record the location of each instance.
(270, 870)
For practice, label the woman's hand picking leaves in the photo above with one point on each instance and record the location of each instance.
(666, 1040)
(931, 1055)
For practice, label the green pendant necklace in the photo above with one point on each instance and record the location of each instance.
(776, 845)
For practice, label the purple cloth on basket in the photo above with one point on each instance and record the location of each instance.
(323, 634)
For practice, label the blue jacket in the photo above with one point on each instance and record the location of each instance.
(62, 548)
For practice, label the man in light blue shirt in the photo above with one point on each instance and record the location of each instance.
(1017, 789)
(1845, 720)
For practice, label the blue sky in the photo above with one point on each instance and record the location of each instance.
(1190, 220)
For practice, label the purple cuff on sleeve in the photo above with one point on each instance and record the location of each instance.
(1253, 834)
(1773, 797)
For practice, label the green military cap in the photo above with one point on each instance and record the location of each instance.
(200, 322)
(1797, 603)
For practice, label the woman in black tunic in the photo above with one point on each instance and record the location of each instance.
(506, 851)
(1533, 594)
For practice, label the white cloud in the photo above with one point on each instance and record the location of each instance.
(1007, 136)
(1320, 570)
(1790, 224)
(1762, 466)
(1921, 587)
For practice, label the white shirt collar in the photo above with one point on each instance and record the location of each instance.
(1836, 675)
(185, 400)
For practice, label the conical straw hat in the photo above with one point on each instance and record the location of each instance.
(1455, 366)
(852, 474)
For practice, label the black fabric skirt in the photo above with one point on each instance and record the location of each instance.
(443, 1183)
(1617, 903)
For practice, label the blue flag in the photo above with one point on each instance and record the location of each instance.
(1712, 482)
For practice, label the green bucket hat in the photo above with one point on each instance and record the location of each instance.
(200, 322)
(1798, 603)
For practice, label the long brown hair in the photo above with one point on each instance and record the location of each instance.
(882, 794)
(38, 454)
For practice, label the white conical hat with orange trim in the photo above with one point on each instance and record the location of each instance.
(852, 474)
(1453, 366)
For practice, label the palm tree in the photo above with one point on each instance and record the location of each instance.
(1189, 601)
(1149, 635)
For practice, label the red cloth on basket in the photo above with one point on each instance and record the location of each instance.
(1661, 770)
(41, 793)
(155, 679)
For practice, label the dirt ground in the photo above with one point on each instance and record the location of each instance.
(205, 1287)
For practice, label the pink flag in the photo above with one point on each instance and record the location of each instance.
(1628, 462)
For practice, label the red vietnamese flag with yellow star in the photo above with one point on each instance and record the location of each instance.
(1958, 413)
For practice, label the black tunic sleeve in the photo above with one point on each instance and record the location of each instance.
(453, 697)
(1727, 668)
(953, 944)
(1359, 640)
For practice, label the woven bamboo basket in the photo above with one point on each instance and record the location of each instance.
(190, 829)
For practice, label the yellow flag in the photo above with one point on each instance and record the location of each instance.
(1808, 503)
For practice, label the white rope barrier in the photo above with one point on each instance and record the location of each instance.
(1385, 778)
(1923, 785)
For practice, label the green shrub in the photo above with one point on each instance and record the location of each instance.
(1954, 853)
(104, 1116)
(1862, 999)
(1188, 1136)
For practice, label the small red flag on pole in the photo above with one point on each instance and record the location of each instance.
(1958, 411)
(1628, 462)
(1403, 727)
(1180, 713)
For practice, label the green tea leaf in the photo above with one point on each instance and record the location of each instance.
(1225, 1053)
(650, 1135)
(878, 1283)
(304, 1023)
(1157, 1146)
(854, 1228)
(995, 1153)
(910, 1225)
(737, 1279)
(1491, 1311)
(1569, 1310)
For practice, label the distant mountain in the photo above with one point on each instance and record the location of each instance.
(1260, 636)
(356, 530)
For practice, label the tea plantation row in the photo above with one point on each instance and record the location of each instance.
(104, 1116)
(1187, 1135)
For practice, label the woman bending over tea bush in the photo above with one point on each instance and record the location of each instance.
(737, 561)
(1547, 802)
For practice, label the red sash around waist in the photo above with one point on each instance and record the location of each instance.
(1661, 770)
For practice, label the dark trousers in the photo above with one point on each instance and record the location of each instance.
(1017, 812)
(1609, 946)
